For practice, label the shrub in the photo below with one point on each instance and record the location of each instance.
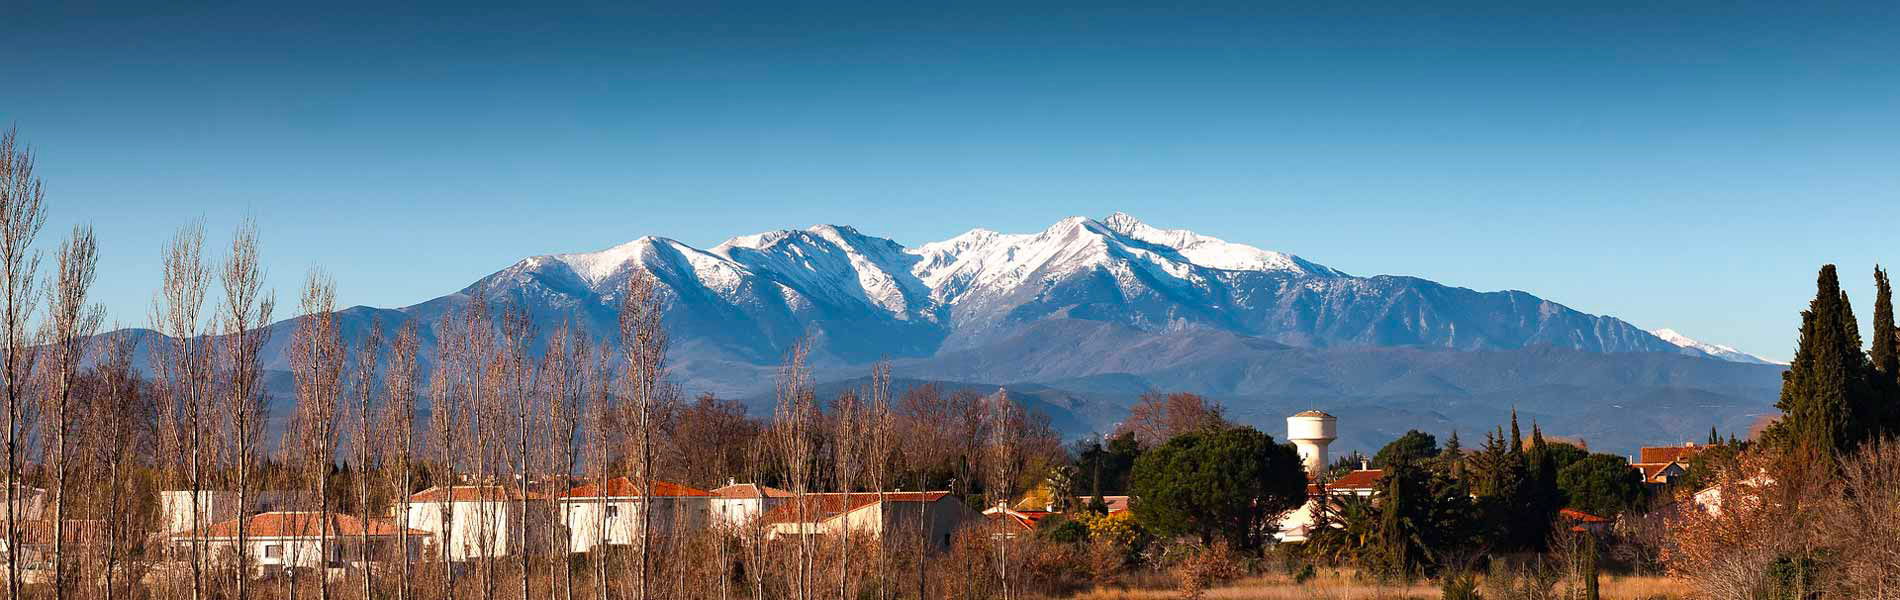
(1459, 587)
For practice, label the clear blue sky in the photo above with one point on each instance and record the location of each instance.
(1672, 163)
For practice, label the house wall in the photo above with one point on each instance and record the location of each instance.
(474, 524)
(585, 520)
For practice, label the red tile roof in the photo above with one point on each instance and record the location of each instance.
(471, 493)
(621, 487)
(1581, 517)
(1667, 454)
(819, 507)
(750, 490)
(1651, 471)
(301, 524)
(1026, 519)
(1356, 481)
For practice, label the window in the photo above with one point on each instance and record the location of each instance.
(273, 551)
(613, 511)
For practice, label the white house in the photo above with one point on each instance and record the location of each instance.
(612, 515)
(476, 521)
(868, 513)
(1296, 525)
(276, 540)
(737, 504)
(217, 506)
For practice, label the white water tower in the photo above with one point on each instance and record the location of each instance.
(1311, 431)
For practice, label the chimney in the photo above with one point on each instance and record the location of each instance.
(1364, 466)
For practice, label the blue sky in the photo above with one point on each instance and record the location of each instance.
(1676, 164)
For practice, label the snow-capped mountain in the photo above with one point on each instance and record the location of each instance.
(861, 297)
(1087, 314)
(1693, 347)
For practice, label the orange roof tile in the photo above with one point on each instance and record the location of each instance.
(819, 507)
(301, 524)
(472, 493)
(1355, 481)
(1581, 517)
(1667, 454)
(750, 490)
(621, 487)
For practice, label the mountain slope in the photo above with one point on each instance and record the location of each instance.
(1102, 309)
(1717, 351)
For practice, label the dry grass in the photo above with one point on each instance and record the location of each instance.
(1342, 586)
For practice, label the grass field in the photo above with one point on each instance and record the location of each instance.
(1343, 587)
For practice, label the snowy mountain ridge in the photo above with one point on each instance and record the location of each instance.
(1711, 350)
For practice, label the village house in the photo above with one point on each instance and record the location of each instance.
(614, 513)
(1297, 525)
(1015, 521)
(476, 521)
(738, 504)
(1662, 465)
(216, 506)
(869, 513)
(279, 540)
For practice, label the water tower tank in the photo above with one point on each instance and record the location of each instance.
(1311, 431)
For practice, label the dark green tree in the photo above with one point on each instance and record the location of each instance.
(1234, 484)
(1885, 355)
(1451, 459)
(1603, 484)
(1825, 401)
(1413, 447)
(1102, 465)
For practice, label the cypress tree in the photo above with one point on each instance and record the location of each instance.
(1824, 396)
(1885, 355)
(1714, 440)
(1886, 347)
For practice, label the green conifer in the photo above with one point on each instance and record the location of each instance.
(1824, 395)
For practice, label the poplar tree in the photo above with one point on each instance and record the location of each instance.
(1824, 391)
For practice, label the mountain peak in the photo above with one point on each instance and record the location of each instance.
(1690, 345)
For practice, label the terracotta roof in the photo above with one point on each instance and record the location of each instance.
(1025, 519)
(750, 490)
(1312, 413)
(1355, 481)
(1581, 517)
(1651, 471)
(301, 524)
(471, 493)
(1667, 454)
(621, 487)
(819, 507)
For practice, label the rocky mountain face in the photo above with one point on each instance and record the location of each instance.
(1095, 312)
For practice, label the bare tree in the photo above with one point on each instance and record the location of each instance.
(643, 343)
(317, 359)
(182, 366)
(70, 325)
(21, 215)
(1005, 449)
(602, 436)
(447, 387)
(880, 442)
(363, 388)
(522, 391)
(399, 383)
(117, 409)
(847, 460)
(793, 418)
(247, 310)
(566, 360)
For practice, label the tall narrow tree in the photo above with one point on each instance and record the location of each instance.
(181, 364)
(643, 344)
(1825, 384)
(793, 418)
(70, 325)
(244, 323)
(362, 384)
(21, 215)
(522, 391)
(317, 361)
(399, 383)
